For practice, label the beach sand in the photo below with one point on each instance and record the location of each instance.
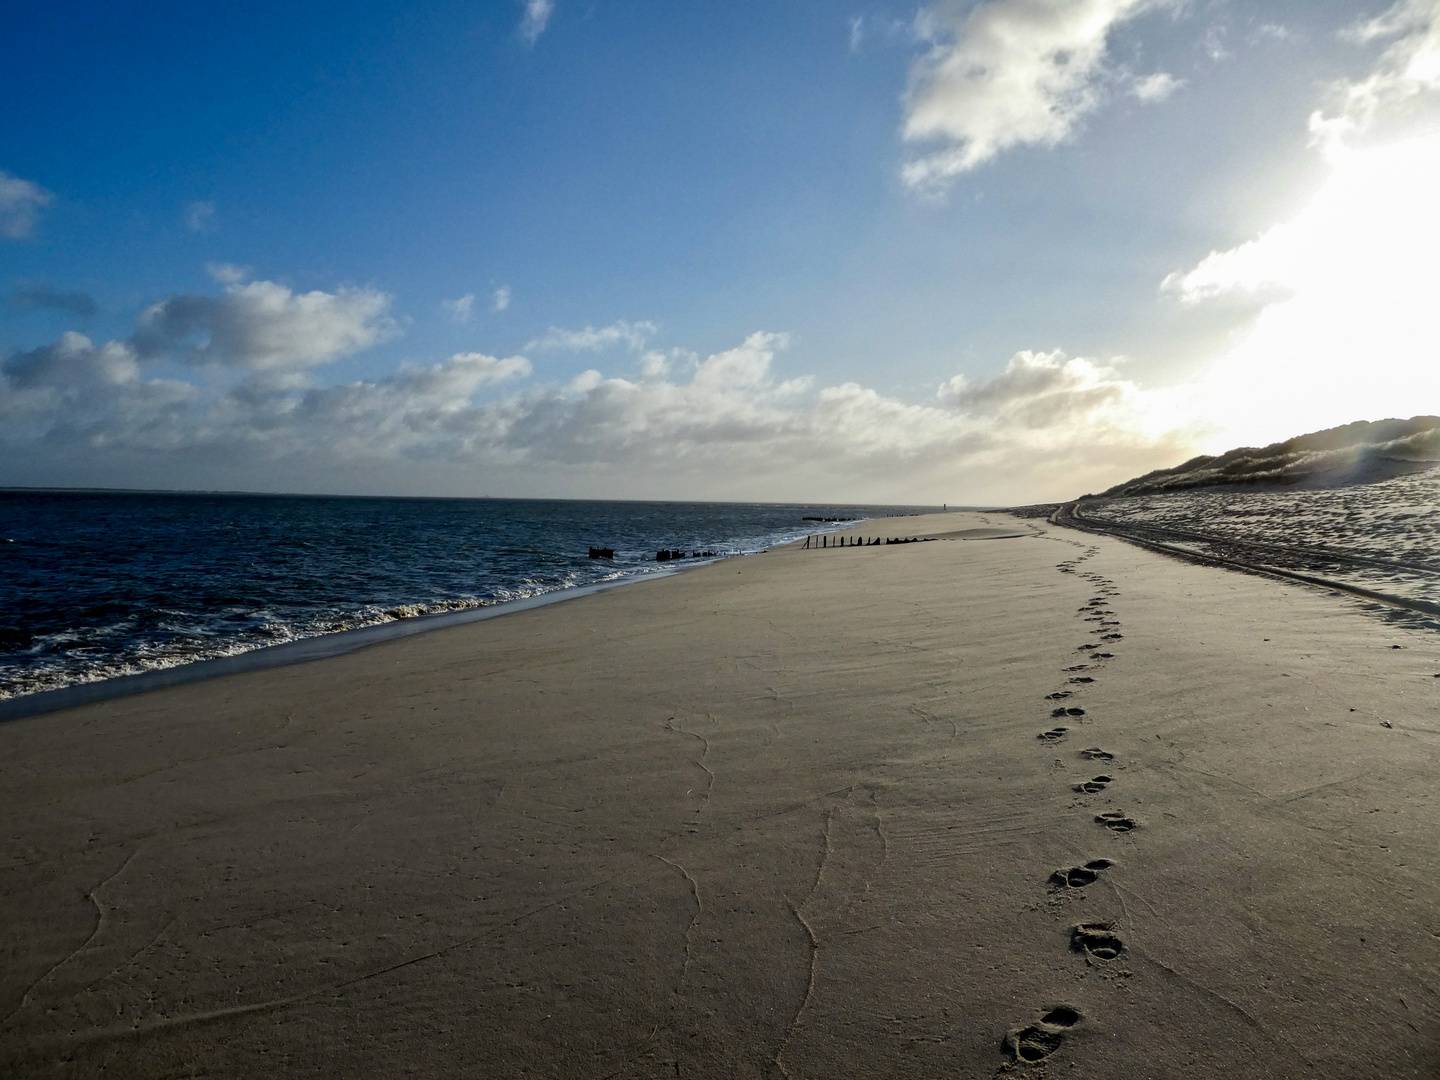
(783, 816)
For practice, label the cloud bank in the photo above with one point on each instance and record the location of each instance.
(680, 425)
(1010, 73)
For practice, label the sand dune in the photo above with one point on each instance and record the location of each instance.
(1045, 803)
(1364, 452)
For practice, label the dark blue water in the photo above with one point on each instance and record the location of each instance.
(99, 584)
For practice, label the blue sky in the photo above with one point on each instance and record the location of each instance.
(949, 252)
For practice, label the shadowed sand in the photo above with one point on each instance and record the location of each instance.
(1040, 802)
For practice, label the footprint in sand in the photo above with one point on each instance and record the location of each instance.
(1115, 821)
(1039, 1040)
(1094, 785)
(1097, 940)
(1094, 753)
(1067, 712)
(1077, 877)
(1102, 656)
(1082, 679)
(1059, 694)
(1055, 734)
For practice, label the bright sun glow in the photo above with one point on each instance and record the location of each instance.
(1353, 331)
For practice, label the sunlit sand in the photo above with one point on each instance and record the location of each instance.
(933, 809)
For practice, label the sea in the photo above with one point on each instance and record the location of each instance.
(98, 585)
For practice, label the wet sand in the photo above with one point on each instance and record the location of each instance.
(804, 814)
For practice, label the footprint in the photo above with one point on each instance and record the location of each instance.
(1077, 877)
(1115, 821)
(1086, 667)
(1094, 753)
(1059, 694)
(1102, 656)
(1073, 711)
(1082, 679)
(1094, 786)
(1042, 1038)
(1112, 637)
(1097, 940)
(1055, 734)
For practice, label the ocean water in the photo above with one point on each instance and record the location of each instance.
(95, 585)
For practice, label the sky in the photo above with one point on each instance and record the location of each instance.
(973, 253)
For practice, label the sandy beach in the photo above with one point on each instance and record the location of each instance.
(1021, 799)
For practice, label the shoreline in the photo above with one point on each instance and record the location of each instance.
(877, 812)
(324, 645)
(300, 651)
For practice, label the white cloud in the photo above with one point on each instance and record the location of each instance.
(74, 362)
(227, 273)
(1214, 43)
(73, 398)
(857, 32)
(200, 217)
(461, 310)
(1270, 32)
(654, 365)
(536, 18)
(1004, 74)
(502, 298)
(588, 340)
(262, 326)
(1037, 391)
(1405, 78)
(20, 204)
(1156, 87)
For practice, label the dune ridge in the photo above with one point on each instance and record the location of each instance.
(1361, 452)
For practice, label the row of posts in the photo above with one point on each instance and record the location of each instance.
(823, 541)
